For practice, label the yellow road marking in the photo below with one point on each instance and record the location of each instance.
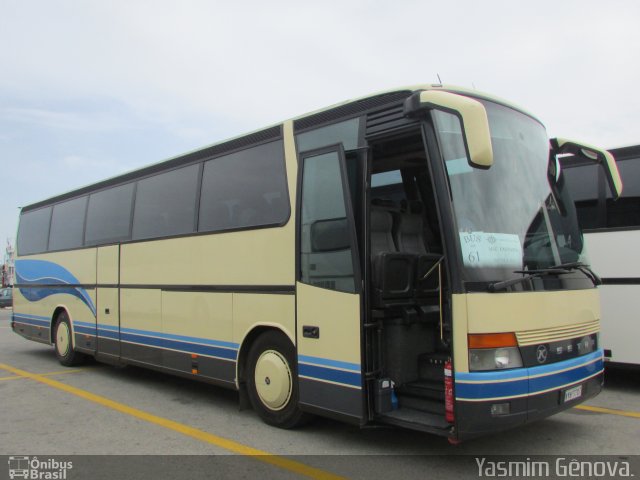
(610, 411)
(61, 372)
(225, 443)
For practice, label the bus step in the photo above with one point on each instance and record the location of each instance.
(416, 420)
(423, 389)
(422, 404)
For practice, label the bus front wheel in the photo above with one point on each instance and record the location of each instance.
(63, 342)
(272, 381)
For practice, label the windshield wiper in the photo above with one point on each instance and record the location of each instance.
(584, 268)
(539, 272)
(566, 268)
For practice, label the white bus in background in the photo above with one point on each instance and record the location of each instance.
(612, 234)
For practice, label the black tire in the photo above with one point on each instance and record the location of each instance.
(275, 401)
(63, 342)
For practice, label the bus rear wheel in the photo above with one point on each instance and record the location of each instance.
(63, 342)
(272, 381)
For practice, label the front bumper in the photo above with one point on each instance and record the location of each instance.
(532, 394)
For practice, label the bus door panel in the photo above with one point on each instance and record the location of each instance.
(328, 298)
(108, 302)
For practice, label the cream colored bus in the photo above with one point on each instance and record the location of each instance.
(408, 258)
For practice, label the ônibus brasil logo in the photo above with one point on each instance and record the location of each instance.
(35, 469)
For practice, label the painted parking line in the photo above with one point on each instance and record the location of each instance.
(610, 411)
(221, 442)
(48, 374)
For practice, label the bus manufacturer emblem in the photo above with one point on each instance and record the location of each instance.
(541, 353)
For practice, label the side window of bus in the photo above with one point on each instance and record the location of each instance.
(595, 207)
(345, 132)
(165, 204)
(67, 224)
(388, 185)
(34, 231)
(326, 258)
(625, 212)
(245, 189)
(582, 183)
(109, 215)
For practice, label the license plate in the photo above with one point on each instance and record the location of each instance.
(572, 393)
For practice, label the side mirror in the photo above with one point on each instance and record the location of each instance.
(596, 155)
(330, 235)
(472, 114)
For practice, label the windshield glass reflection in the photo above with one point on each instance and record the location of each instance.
(517, 215)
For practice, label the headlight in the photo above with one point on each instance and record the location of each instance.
(494, 358)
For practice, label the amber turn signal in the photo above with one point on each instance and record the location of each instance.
(492, 340)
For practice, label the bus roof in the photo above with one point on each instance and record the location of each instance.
(345, 109)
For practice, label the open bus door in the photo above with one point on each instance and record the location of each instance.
(328, 290)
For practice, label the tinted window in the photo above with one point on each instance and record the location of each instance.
(245, 189)
(386, 178)
(165, 203)
(33, 231)
(588, 187)
(582, 182)
(109, 215)
(625, 212)
(325, 250)
(67, 224)
(630, 174)
(344, 132)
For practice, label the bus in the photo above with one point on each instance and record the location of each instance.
(611, 234)
(409, 258)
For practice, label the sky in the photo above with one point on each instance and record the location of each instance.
(90, 89)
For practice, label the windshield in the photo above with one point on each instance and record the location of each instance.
(516, 215)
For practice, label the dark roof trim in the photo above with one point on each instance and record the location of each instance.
(348, 110)
(620, 154)
(236, 144)
(625, 153)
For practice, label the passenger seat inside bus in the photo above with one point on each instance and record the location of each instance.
(393, 272)
(410, 234)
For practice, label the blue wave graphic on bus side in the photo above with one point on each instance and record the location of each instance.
(41, 273)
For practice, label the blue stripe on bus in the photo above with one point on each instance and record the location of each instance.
(217, 352)
(110, 328)
(495, 376)
(108, 334)
(492, 390)
(40, 273)
(32, 320)
(563, 378)
(181, 338)
(329, 374)
(527, 381)
(111, 331)
(202, 346)
(84, 330)
(574, 362)
(354, 367)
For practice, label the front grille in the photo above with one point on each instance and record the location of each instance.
(547, 335)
